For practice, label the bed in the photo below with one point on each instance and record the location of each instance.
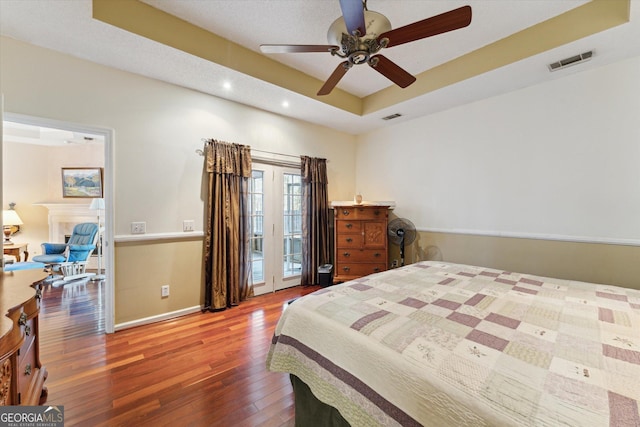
(442, 344)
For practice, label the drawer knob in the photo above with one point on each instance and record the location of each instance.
(27, 369)
(345, 212)
(346, 268)
(376, 212)
(349, 225)
(349, 240)
(346, 254)
(377, 254)
(376, 269)
(27, 330)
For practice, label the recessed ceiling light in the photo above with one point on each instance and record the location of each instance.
(285, 104)
(226, 85)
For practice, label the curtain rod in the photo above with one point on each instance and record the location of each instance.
(276, 154)
(201, 153)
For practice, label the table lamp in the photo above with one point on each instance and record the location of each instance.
(10, 220)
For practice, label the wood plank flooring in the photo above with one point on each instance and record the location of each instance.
(205, 369)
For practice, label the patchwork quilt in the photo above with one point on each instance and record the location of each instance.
(441, 344)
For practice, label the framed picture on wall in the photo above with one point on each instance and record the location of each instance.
(82, 182)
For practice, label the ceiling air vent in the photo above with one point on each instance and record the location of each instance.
(563, 63)
(392, 116)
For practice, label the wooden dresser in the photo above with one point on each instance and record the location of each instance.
(360, 240)
(21, 374)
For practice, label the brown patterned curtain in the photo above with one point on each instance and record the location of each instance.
(227, 260)
(315, 218)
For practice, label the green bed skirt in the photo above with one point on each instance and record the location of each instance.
(310, 412)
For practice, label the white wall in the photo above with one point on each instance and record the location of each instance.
(556, 160)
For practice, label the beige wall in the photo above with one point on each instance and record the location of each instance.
(177, 263)
(589, 262)
(158, 175)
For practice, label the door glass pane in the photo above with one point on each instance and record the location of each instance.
(256, 208)
(292, 226)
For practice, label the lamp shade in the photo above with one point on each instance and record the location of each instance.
(10, 217)
(97, 204)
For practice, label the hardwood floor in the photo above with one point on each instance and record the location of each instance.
(205, 369)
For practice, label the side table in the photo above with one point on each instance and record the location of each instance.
(16, 249)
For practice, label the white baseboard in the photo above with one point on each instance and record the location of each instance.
(158, 318)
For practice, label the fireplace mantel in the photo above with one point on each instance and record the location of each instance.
(64, 216)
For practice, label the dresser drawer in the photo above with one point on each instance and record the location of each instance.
(350, 255)
(349, 241)
(362, 212)
(346, 227)
(359, 269)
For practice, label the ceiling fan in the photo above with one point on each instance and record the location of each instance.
(359, 34)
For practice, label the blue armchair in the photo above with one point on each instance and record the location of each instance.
(70, 259)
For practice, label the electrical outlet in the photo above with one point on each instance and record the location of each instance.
(394, 263)
(138, 227)
(188, 225)
(164, 291)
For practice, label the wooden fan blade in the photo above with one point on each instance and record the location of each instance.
(353, 14)
(391, 70)
(448, 21)
(334, 78)
(296, 48)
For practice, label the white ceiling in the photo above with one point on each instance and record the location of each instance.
(40, 135)
(67, 26)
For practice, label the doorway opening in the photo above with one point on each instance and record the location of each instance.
(35, 150)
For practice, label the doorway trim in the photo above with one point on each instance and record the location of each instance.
(108, 194)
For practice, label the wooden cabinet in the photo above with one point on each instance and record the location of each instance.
(360, 241)
(22, 376)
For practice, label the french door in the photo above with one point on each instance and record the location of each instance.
(276, 227)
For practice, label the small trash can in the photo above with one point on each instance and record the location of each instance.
(325, 275)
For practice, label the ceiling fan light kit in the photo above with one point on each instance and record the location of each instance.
(349, 44)
(359, 34)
